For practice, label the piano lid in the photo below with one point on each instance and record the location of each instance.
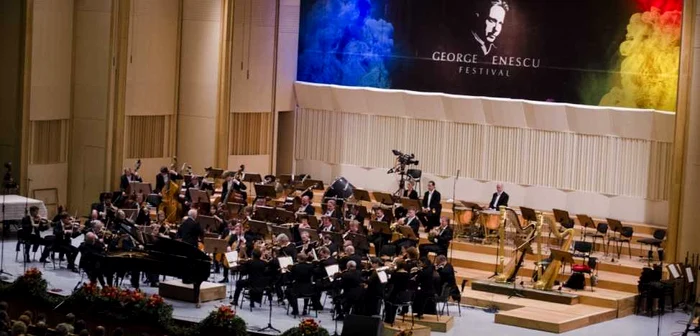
(165, 245)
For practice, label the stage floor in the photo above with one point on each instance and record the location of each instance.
(478, 322)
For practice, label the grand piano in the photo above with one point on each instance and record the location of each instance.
(162, 256)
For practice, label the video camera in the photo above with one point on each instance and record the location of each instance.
(405, 159)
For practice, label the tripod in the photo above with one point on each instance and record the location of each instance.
(498, 258)
(269, 318)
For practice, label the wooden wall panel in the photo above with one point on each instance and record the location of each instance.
(152, 66)
(199, 76)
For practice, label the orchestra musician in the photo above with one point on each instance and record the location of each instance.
(286, 248)
(143, 214)
(326, 225)
(256, 281)
(32, 226)
(306, 207)
(431, 206)
(329, 244)
(301, 275)
(412, 221)
(499, 198)
(377, 238)
(305, 245)
(351, 286)
(128, 177)
(164, 177)
(91, 253)
(439, 238)
(354, 228)
(106, 209)
(398, 284)
(93, 220)
(374, 290)
(447, 276)
(409, 193)
(332, 210)
(427, 280)
(354, 214)
(233, 185)
(349, 255)
(63, 232)
(236, 241)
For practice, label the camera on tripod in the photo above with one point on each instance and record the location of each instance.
(405, 159)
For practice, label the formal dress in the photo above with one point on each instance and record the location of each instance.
(432, 202)
(498, 200)
(440, 244)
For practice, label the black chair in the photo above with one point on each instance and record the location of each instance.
(22, 244)
(625, 236)
(587, 268)
(582, 249)
(602, 233)
(656, 241)
(404, 301)
(444, 299)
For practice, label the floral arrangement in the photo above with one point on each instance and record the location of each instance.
(30, 285)
(307, 327)
(405, 332)
(222, 321)
(123, 304)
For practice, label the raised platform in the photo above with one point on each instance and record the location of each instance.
(417, 329)
(441, 324)
(176, 290)
(555, 320)
(528, 293)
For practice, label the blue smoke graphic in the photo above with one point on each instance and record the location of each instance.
(341, 43)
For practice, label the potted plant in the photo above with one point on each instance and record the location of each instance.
(307, 327)
(223, 321)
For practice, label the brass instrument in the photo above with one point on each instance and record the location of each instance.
(546, 280)
(501, 242)
(433, 233)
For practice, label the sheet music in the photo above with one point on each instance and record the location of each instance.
(689, 274)
(382, 277)
(674, 271)
(285, 262)
(232, 258)
(332, 269)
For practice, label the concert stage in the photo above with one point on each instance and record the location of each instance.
(472, 321)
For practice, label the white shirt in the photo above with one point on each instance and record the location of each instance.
(430, 196)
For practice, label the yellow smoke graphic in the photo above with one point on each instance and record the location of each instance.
(650, 61)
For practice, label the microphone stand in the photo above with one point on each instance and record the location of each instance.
(269, 318)
(454, 206)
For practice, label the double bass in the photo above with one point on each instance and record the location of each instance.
(170, 204)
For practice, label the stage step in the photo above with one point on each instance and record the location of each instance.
(555, 320)
(399, 325)
(176, 290)
(436, 323)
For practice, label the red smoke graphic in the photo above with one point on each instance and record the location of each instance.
(663, 5)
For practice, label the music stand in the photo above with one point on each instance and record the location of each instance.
(336, 237)
(266, 214)
(136, 187)
(215, 245)
(408, 203)
(208, 223)
(529, 214)
(311, 220)
(259, 228)
(214, 173)
(407, 232)
(284, 217)
(285, 179)
(265, 191)
(381, 227)
(278, 229)
(562, 217)
(563, 256)
(359, 241)
(130, 213)
(383, 198)
(313, 234)
(198, 196)
(234, 208)
(252, 178)
(361, 195)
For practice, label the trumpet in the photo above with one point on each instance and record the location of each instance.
(433, 233)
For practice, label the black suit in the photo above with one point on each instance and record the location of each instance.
(351, 284)
(335, 214)
(300, 275)
(424, 301)
(309, 210)
(503, 200)
(439, 245)
(190, 232)
(412, 194)
(433, 217)
(258, 279)
(31, 236)
(447, 277)
(62, 244)
(379, 239)
(160, 181)
(398, 283)
(91, 257)
(124, 184)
